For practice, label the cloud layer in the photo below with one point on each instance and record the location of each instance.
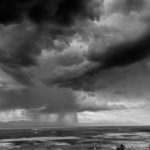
(53, 51)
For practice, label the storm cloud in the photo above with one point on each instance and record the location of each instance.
(114, 45)
(53, 51)
(61, 12)
(24, 25)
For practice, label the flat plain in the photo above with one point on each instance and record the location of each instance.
(77, 138)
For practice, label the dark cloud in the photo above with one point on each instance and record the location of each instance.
(47, 21)
(134, 4)
(41, 102)
(28, 28)
(116, 55)
(83, 82)
(107, 53)
(123, 54)
(127, 6)
(61, 12)
(41, 99)
(19, 51)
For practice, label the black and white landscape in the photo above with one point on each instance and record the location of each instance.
(81, 138)
(73, 63)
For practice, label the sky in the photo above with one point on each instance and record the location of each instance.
(74, 62)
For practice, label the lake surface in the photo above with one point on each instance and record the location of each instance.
(79, 138)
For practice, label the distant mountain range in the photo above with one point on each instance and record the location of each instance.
(34, 124)
(110, 123)
(26, 124)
